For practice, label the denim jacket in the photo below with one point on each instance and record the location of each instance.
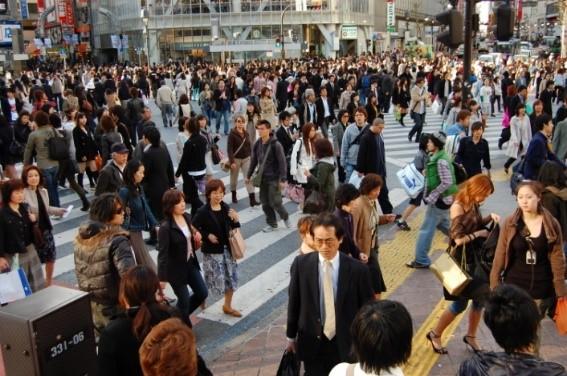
(141, 217)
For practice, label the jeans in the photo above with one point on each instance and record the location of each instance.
(188, 303)
(349, 168)
(50, 177)
(271, 199)
(167, 114)
(434, 218)
(419, 119)
(225, 115)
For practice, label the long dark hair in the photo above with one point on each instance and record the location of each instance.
(129, 171)
(138, 287)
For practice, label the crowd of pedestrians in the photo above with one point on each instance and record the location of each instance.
(309, 130)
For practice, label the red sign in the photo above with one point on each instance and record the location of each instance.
(65, 13)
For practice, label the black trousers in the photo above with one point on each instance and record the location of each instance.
(384, 200)
(325, 360)
(341, 171)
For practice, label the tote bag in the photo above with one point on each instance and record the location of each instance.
(411, 180)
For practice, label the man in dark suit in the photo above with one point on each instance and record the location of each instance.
(326, 290)
(111, 178)
(286, 132)
(308, 110)
(518, 99)
(325, 111)
(372, 159)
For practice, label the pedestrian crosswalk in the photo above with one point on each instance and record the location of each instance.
(400, 151)
(264, 271)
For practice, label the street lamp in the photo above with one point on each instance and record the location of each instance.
(146, 19)
(281, 30)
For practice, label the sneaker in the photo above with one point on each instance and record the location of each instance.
(269, 228)
(403, 225)
(416, 265)
(287, 223)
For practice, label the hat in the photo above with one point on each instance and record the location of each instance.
(439, 136)
(119, 148)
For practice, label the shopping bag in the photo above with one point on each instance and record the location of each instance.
(355, 179)
(295, 193)
(289, 365)
(561, 316)
(14, 285)
(236, 243)
(453, 276)
(436, 107)
(411, 180)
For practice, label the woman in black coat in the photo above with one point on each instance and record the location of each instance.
(214, 221)
(10, 151)
(85, 150)
(178, 241)
(192, 165)
(23, 128)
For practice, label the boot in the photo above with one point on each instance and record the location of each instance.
(86, 205)
(253, 201)
(234, 199)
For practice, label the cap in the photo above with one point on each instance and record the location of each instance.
(439, 136)
(119, 148)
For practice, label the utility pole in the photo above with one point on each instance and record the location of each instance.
(281, 30)
(469, 11)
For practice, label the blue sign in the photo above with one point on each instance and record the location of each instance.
(24, 11)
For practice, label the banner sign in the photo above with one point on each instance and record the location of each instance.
(24, 10)
(390, 16)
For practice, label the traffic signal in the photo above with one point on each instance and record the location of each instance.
(454, 36)
(505, 20)
(278, 42)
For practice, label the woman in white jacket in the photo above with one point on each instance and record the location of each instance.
(520, 136)
(303, 154)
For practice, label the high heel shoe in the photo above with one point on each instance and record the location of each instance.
(439, 350)
(469, 345)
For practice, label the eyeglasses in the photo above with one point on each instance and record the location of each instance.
(239, 121)
(328, 242)
(119, 210)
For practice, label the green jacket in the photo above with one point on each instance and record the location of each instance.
(432, 179)
(322, 179)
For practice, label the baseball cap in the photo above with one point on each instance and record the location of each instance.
(119, 148)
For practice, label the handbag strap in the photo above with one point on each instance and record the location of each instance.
(264, 159)
(240, 147)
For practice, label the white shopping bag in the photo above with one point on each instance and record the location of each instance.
(355, 179)
(14, 285)
(411, 180)
(436, 107)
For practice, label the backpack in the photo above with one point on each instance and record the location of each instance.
(460, 173)
(57, 147)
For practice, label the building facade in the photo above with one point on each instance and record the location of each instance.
(230, 30)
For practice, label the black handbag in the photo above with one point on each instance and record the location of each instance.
(15, 148)
(289, 365)
(215, 154)
(314, 203)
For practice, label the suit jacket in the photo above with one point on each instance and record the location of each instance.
(321, 110)
(305, 115)
(172, 263)
(109, 180)
(304, 316)
(284, 138)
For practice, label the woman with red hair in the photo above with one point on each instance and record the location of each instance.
(468, 233)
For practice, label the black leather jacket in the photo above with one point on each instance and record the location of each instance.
(501, 364)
